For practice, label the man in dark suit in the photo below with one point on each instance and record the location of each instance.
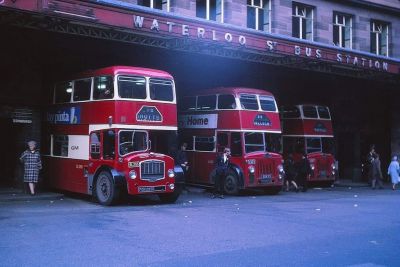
(222, 166)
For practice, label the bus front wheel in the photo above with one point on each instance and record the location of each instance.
(231, 184)
(106, 191)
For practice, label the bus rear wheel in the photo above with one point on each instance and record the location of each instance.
(106, 191)
(231, 184)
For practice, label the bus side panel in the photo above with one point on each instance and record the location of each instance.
(204, 166)
(67, 174)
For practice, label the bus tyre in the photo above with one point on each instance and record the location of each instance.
(168, 198)
(231, 184)
(106, 191)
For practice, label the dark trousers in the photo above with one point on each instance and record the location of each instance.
(377, 182)
(219, 184)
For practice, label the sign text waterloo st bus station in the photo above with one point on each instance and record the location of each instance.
(270, 46)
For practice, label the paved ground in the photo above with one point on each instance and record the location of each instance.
(341, 226)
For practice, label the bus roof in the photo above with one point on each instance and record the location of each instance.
(232, 90)
(128, 70)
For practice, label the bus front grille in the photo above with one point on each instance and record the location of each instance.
(152, 170)
(264, 171)
(322, 167)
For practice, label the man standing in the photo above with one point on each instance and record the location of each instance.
(303, 172)
(222, 166)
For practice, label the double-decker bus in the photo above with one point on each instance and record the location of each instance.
(308, 129)
(243, 119)
(109, 130)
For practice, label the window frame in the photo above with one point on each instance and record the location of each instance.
(342, 39)
(384, 32)
(167, 2)
(263, 9)
(303, 17)
(219, 6)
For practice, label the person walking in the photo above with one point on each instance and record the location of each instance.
(32, 165)
(393, 171)
(303, 172)
(368, 163)
(291, 173)
(376, 172)
(222, 166)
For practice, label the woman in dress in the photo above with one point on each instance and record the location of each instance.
(32, 164)
(393, 171)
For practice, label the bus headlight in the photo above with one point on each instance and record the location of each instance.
(132, 174)
(251, 169)
(281, 172)
(312, 166)
(171, 173)
(171, 186)
(333, 166)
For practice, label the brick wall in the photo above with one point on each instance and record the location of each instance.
(236, 14)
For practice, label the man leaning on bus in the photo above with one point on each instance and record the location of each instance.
(222, 165)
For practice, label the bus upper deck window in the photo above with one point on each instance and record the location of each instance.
(226, 102)
(267, 103)
(103, 87)
(310, 112)
(290, 112)
(207, 102)
(187, 103)
(132, 87)
(82, 89)
(63, 92)
(249, 102)
(323, 112)
(162, 90)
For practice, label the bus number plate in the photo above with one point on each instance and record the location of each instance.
(266, 178)
(143, 189)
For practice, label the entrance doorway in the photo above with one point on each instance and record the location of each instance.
(10, 168)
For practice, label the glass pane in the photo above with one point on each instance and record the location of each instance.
(213, 10)
(204, 143)
(82, 90)
(132, 87)
(267, 103)
(336, 30)
(103, 87)
(328, 145)
(95, 145)
(60, 145)
(63, 92)
(222, 141)
(249, 102)
(290, 112)
(226, 102)
(254, 142)
(187, 104)
(373, 42)
(162, 90)
(310, 112)
(236, 144)
(201, 11)
(251, 17)
(314, 145)
(132, 141)
(296, 27)
(108, 144)
(273, 142)
(206, 102)
(323, 112)
(144, 3)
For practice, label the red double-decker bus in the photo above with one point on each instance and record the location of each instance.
(243, 119)
(109, 130)
(308, 129)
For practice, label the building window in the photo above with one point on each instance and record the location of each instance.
(302, 24)
(342, 30)
(259, 15)
(156, 4)
(380, 38)
(210, 10)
